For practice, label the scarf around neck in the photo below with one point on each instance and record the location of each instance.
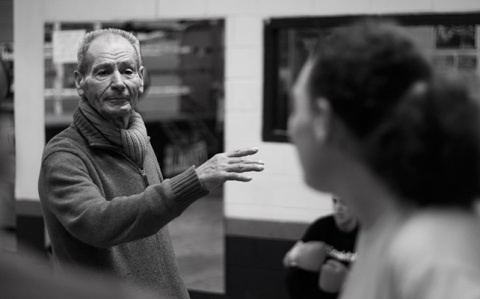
(132, 140)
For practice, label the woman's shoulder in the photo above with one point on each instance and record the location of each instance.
(435, 254)
(447, 234)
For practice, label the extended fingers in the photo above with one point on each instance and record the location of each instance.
(231, 166)
(239, 168)
(244, 165)
(234, 176)
(242, 152)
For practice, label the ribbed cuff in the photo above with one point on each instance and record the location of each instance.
(187, 188)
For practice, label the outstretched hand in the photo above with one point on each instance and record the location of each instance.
(230, 166)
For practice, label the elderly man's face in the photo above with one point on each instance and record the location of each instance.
(113, 81)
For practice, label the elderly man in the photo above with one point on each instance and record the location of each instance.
(25, 275)
(105, 202)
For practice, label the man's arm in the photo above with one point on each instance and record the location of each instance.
(68, 191)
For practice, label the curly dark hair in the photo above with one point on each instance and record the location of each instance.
(364, 69)
(420, 132)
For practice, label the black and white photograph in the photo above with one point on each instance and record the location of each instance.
(239, 149)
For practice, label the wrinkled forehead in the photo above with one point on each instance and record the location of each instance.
(110, 43)
(110, 48)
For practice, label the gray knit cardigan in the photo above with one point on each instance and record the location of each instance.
(103, 211)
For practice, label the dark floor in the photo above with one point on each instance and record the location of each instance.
(198, 239)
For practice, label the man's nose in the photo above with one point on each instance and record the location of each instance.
(117, 81)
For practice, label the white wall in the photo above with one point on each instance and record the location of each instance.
(276, 194)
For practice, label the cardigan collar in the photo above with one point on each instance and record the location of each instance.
(96, 138)
(93, 136)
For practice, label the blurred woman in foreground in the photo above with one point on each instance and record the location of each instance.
(373, 124)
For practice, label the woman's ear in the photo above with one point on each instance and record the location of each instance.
(322, 119)
(331, 129)
(78, 83)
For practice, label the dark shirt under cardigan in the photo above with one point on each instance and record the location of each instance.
(105, 212)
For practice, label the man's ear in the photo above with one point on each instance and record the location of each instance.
(140, 74)
(79, 83)
(322, 119)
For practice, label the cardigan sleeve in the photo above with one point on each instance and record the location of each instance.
(68, 192)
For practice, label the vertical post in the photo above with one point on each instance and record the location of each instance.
(58, 82)
(29, 118)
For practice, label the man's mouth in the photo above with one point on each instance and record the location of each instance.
(118, 99)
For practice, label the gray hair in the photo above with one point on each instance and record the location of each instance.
(92, 35)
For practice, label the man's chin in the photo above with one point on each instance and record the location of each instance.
(119, 110)
(118, 115)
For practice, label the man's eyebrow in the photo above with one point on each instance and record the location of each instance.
(129, 62)
(101, 65)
